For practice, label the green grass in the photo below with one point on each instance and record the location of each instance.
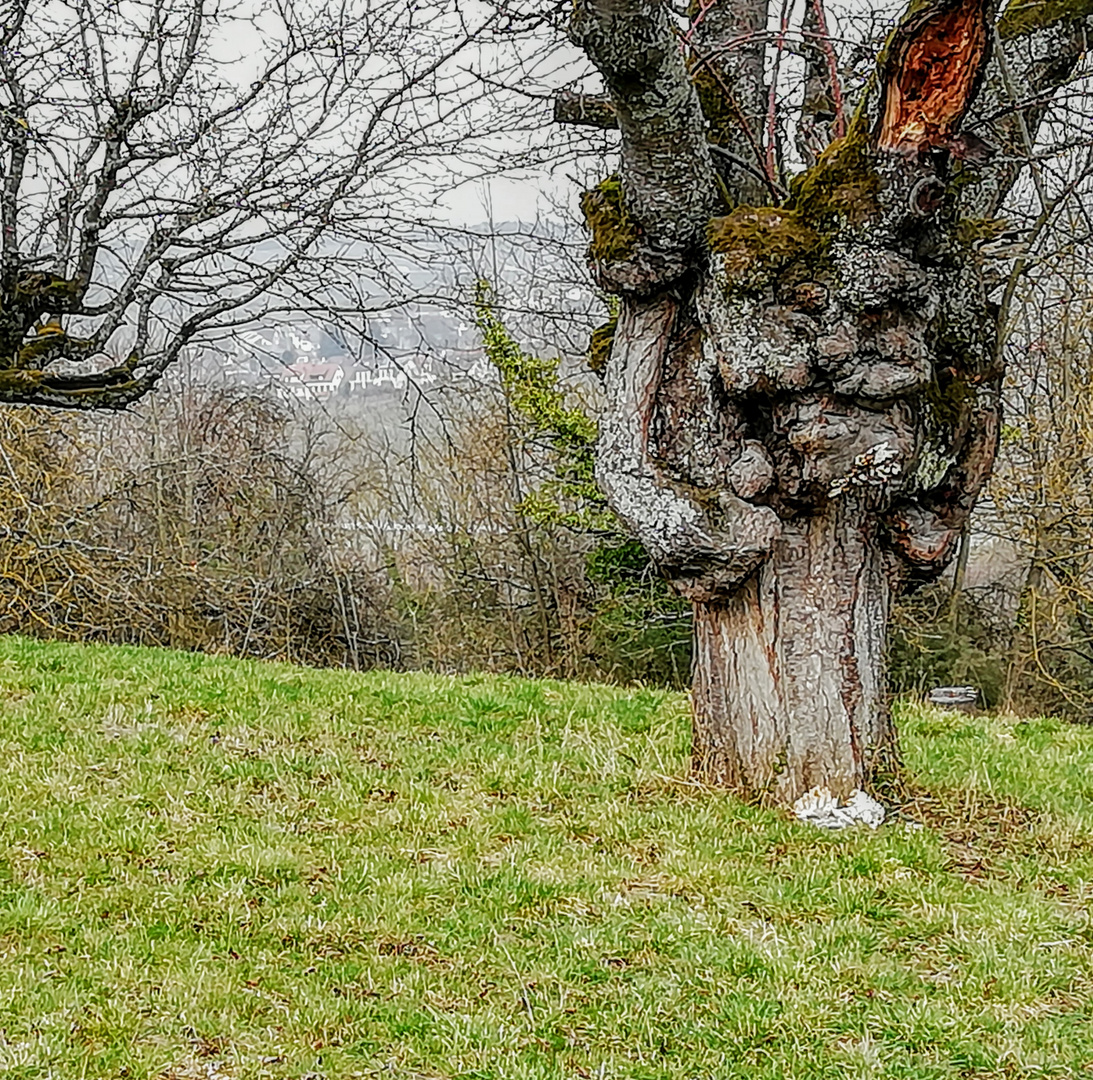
(231, 870)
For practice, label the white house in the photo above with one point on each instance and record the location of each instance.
(314, 382)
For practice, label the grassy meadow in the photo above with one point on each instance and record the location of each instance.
(216, 869)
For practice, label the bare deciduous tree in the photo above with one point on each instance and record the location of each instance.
(804, 380)
(174, 169)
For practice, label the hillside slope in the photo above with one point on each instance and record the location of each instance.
(219, 869)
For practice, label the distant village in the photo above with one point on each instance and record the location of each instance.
(313, 363)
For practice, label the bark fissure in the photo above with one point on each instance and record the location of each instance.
(785, 697)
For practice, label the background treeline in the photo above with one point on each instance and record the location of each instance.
(238, 520)
(197, 524)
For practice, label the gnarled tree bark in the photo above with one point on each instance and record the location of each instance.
(803, 397)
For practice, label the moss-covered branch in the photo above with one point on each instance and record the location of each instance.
(614, 232)
(1023, 17)
(667, 174)
(115, 388)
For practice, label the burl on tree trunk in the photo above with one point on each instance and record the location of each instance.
(803, 397)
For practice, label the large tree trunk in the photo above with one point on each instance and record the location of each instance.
(787, 672)
(789, 454)
(803, 398)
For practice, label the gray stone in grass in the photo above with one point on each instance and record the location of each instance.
(958, 698)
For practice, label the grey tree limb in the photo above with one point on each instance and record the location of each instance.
(667, 175)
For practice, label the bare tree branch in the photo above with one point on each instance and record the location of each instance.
(588, 110)
(818, 119)
(729, 40)
(1038, 49)
(175, 193)
(668, 178)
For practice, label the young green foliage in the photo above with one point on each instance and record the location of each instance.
(637, 612)
(532, 390)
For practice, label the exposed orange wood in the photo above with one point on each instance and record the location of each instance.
(935, 60)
